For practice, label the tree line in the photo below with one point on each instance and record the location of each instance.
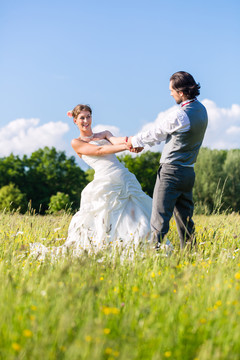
(48, 181)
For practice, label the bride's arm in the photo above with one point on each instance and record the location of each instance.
(84, 148)
(113, 139)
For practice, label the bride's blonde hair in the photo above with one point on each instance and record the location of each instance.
(80, 107)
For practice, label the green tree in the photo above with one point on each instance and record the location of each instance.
(49, 171)
(89, 174)
(210, 178)
(232, 172)
(144, 167)
(59, 202)
(12, 169)
(11, 198)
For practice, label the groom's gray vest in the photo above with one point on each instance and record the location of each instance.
(182, 148)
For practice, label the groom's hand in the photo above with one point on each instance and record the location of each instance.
(132, 149)
(136, 149)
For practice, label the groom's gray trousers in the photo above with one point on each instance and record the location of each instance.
(173, 195)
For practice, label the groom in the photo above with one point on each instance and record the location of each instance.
(183, 132)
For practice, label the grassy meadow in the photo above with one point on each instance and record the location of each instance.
(104, 306)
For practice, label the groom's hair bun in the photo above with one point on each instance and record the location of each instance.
(80, 107)
(183, 81)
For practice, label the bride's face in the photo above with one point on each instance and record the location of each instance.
(84, 121)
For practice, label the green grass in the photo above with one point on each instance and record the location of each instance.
(104, 307)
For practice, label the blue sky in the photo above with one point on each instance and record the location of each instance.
(117, 57)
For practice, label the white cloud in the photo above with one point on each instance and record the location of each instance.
(224, 126)
(113, 129)
(23, 136)
(233, 130)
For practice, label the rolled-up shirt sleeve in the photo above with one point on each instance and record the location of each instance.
(176, 121)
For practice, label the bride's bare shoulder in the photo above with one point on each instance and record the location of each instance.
(102, 135)
(76, 142)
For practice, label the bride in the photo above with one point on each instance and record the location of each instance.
(113, 207)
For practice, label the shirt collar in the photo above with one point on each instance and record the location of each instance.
(183, 103)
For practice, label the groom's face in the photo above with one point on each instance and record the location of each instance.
(177, 95)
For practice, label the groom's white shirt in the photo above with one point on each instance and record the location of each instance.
(176, 121)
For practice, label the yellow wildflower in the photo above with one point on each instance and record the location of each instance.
(237, 276)
(108, 351)
(27, 333)
(88, 338)
(107, 310)
(106, 331)
(16, 346)
(167, 354)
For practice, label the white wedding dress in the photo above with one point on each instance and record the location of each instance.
(113, 209)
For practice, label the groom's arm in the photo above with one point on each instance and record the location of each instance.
(176, 121)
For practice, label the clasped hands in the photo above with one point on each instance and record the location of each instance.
(131, 148)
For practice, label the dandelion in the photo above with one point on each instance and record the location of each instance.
(16, 346)
(167, 354)
(135, 289)
(33, 308)
(237, 276)
(107, 310)
(203, 321)
(107, 331)
(88, 338)
(152, 274)
(115, 311)
(101, 278)
(108, 351)
(27, 333)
